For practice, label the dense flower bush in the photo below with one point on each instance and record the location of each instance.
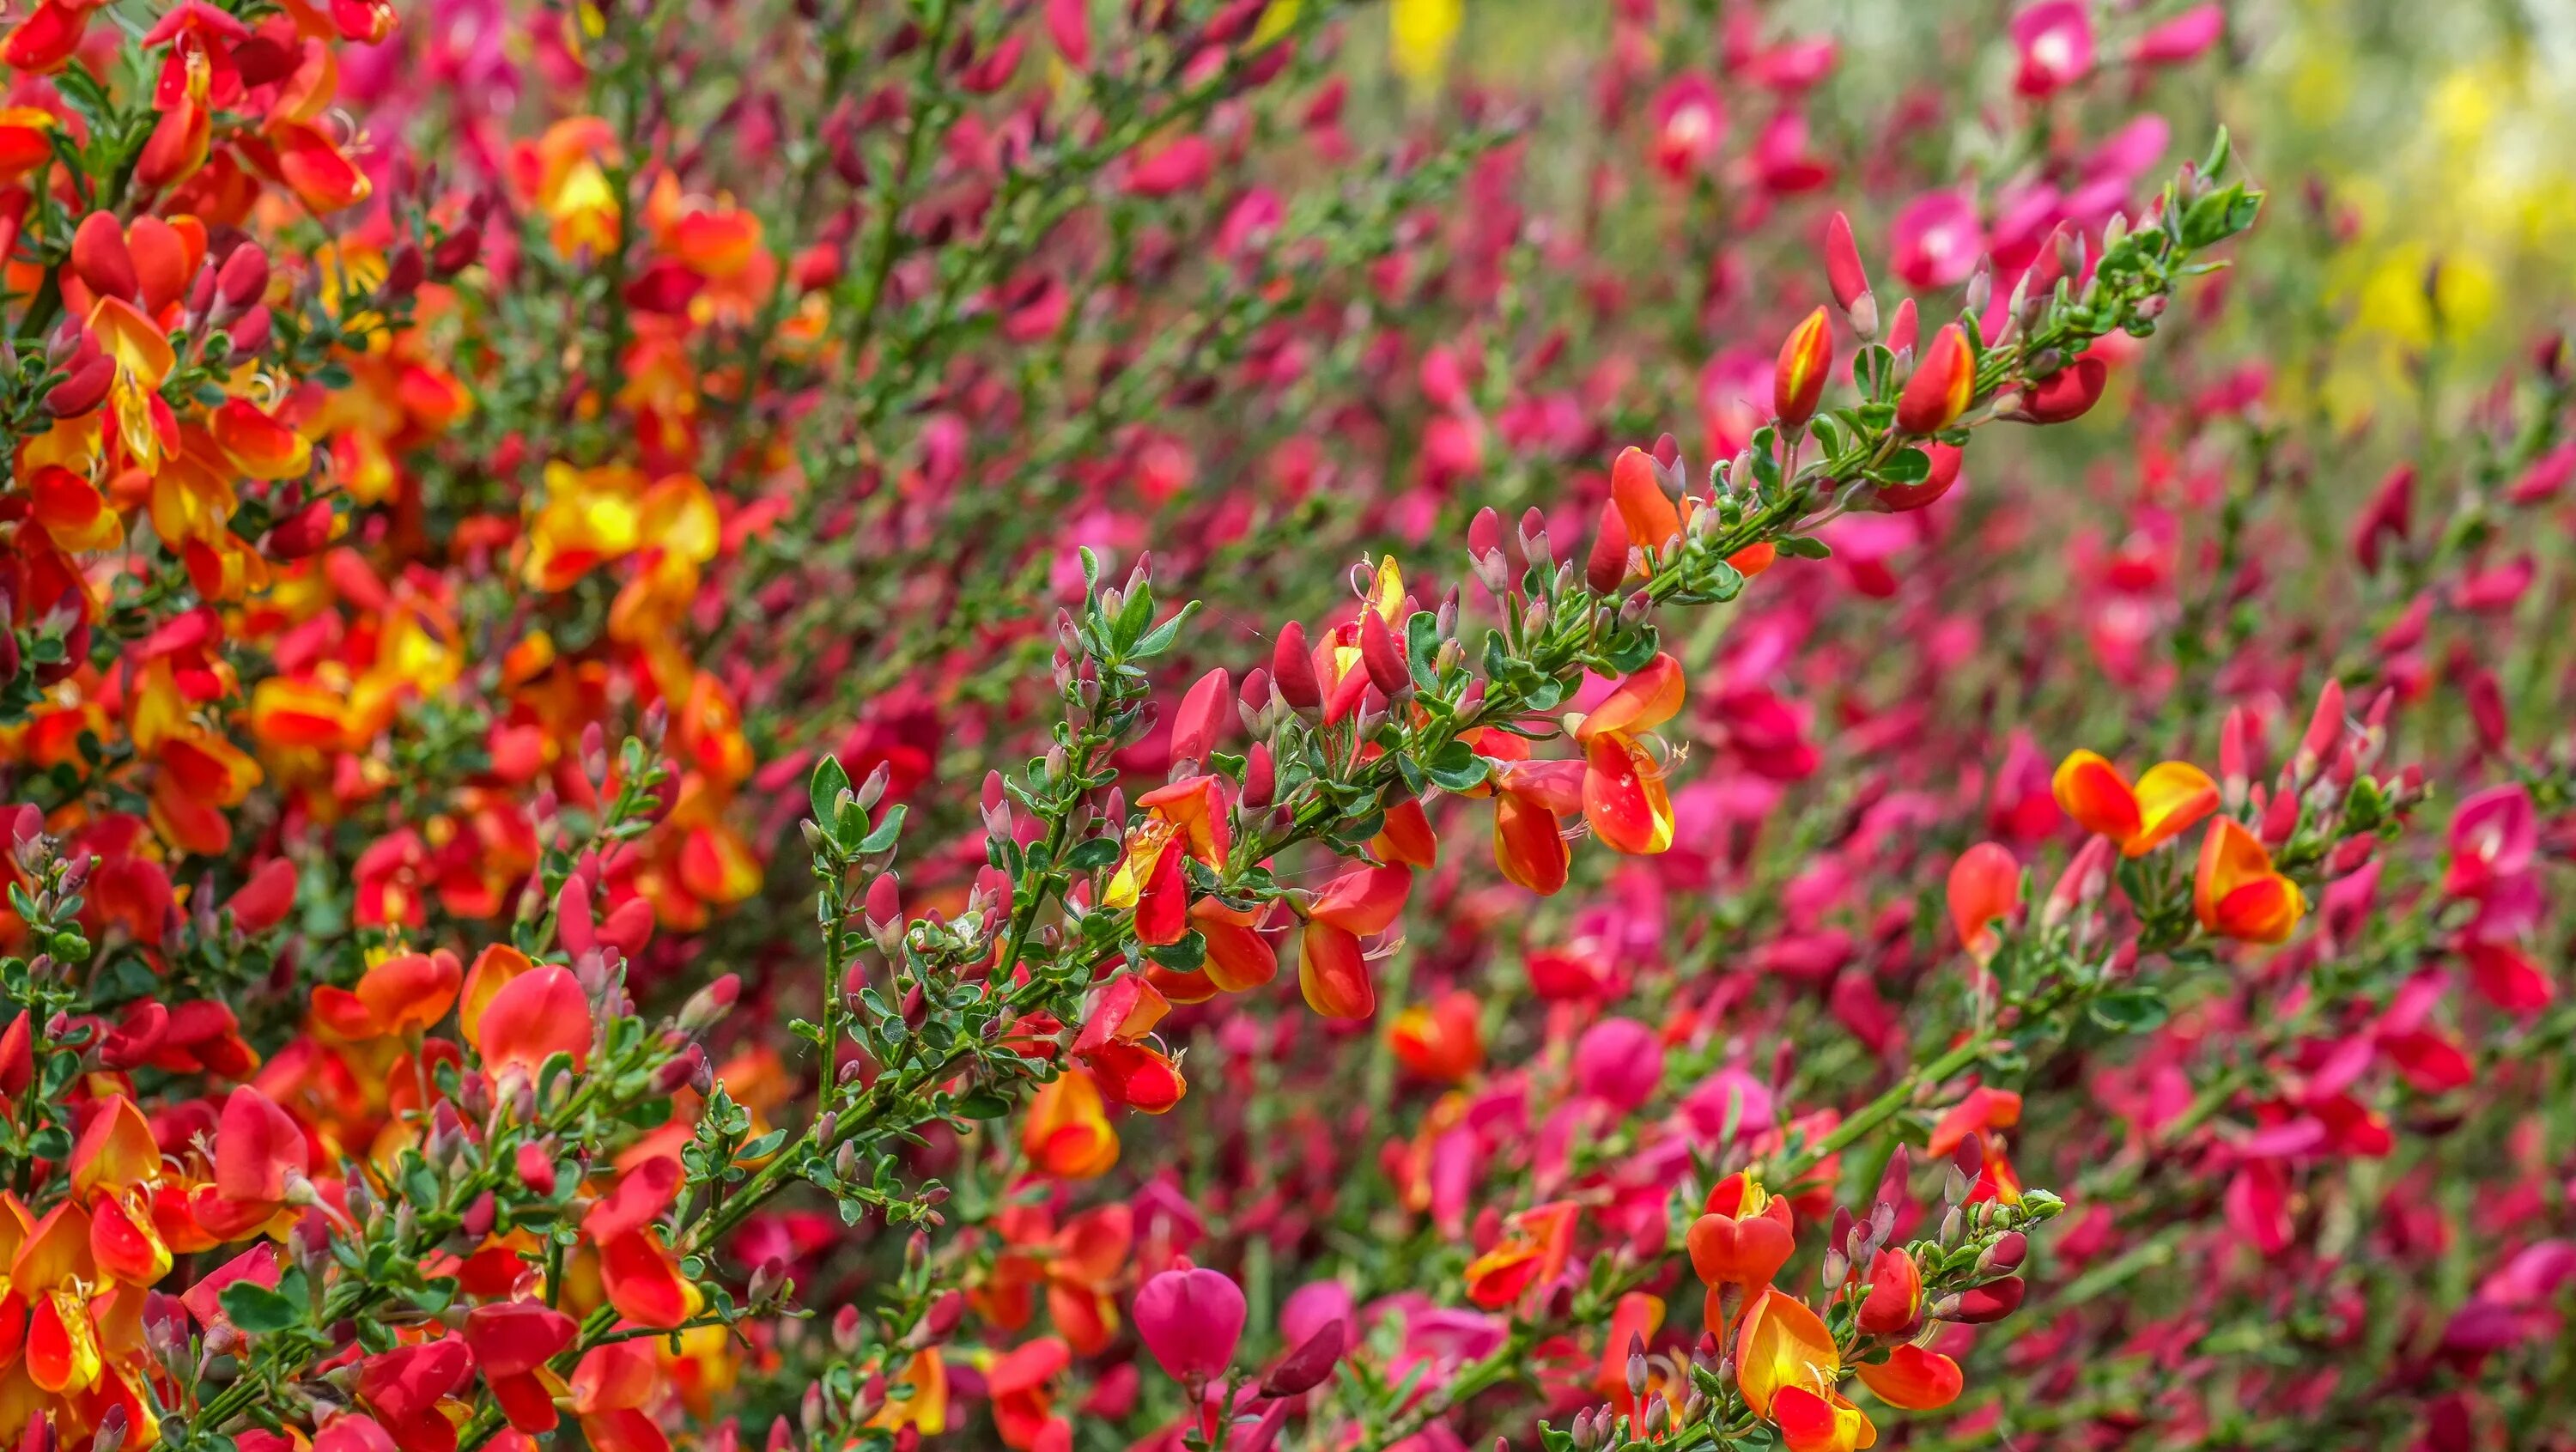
(1185, 724)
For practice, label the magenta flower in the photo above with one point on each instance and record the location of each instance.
(1191, 1320)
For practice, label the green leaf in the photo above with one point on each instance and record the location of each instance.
(1907, 466)
(1631, 649)
(1456, 767)
(1184, 956)
(2129, 1010)
(982, 1104)
(1091, 854)
(255, 1308)
(886, 834)
(1806, 547)
(830, 779)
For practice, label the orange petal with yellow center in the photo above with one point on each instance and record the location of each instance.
(1648, 698)
(1781, 1344)
(2171, 799)
(2093, 792)
(1623, 797)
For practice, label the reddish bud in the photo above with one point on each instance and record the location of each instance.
(243, 279)
(1806, 357)
(1292, 667)
(2068, 393)
(1845, 275)
(1200, 723)
(1383, 657)
(1943, 384)
(1260, 777)
(1991, 1302)
(1608, 564)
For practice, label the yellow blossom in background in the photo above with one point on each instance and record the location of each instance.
(2439, 134)
(1420, 34)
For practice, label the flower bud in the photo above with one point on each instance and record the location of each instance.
(1990, 1302)
(1798, 380)
(1848, 279)
(1382, 656)
(710, 1003)
(1260, 777)
(1292, 669)
(1306, 1367)
(2069, 393)
(242, 282)
(1901, 332)
(1608, 563)
(1942, 386)
(1252, 704)
(1533, 534)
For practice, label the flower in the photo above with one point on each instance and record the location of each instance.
(1787, 1365)
(1942, 386)
(1912, 1378)
(1190, 1319)
(1065, 1131)
(1532, 1251)
(1332, 968)
(1806, 360)
(2166, 802)
(1984, 889)
(2237, 894)
(1744, 1237)
(1623, 784)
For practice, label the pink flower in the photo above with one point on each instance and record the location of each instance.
(1190, 1319)
(1937, 240)
(1619, 1062)
(2055, 38)
(2182, 38)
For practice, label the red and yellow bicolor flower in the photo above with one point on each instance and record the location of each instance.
(1151, 879)
(1532, 799)
(1114, 1045)
(1339, 666)
(2165, 803)
(1623, 783)
(1066, 1130)
(2236, 892)
(1745, 1235)
(1332, 965)
(1789, 1369)
(1533, 1250)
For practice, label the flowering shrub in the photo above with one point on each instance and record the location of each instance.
(859, 723)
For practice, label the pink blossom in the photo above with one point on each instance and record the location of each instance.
(1190, 1319)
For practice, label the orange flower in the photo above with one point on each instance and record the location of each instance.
(1531, 801)
(2237, 894)
(1332, 967)
(1532, 1252)
(2166, 801)
(1985, 886)
(1913, 1378)
(1112, 1043)
(1645, 510)
(1067, 1131)
(1440, 1041)
(1787, 1366)
(1745, 1236)
(1152, 880)
(1623, 784)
